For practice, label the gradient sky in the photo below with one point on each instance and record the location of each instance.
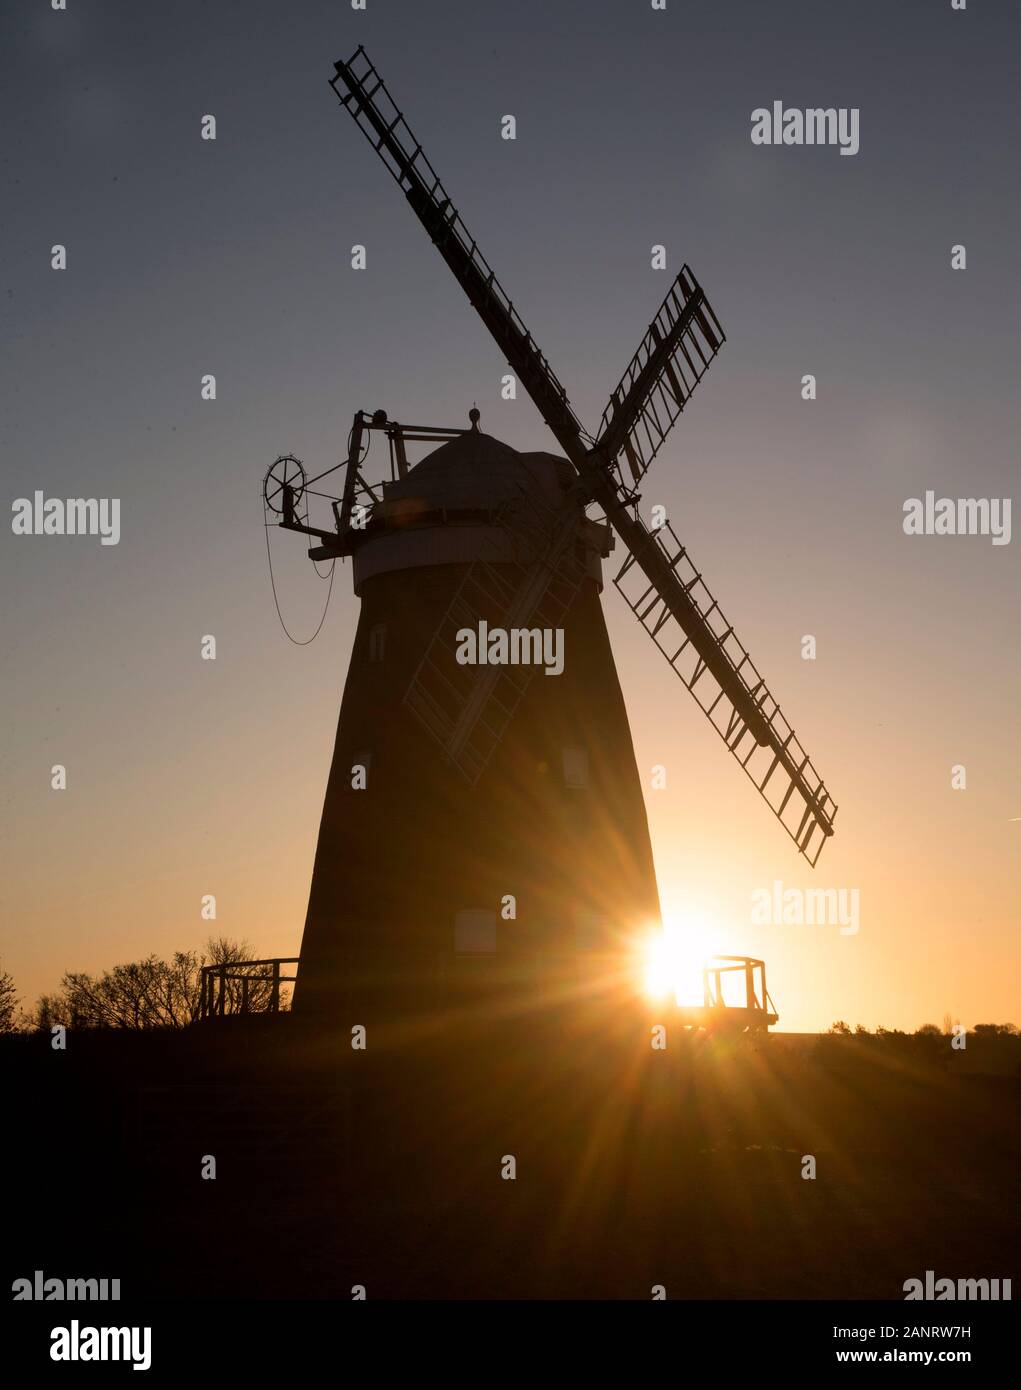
(186, 257)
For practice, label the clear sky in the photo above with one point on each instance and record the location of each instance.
(232, 257)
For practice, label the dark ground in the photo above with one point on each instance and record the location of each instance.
(383, 1167)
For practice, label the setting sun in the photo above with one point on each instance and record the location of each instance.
(674, 958)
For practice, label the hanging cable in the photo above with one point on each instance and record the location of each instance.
(276, 601)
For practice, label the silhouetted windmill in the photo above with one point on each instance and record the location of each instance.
(479, 534)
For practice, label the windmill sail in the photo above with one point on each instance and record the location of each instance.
(376, 114)
(671, 360)
(714, 666)
(670, 600)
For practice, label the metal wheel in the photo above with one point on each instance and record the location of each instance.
(286, 471)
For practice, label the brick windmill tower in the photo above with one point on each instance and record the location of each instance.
(484, 821)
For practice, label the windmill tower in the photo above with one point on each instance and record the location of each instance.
(484, 819)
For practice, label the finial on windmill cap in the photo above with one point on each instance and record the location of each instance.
(475, 415)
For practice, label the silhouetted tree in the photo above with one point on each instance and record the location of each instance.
(928, 1030)
(8, 1002)
(841, 1029)
(150, 993)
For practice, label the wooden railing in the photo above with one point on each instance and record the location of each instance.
(243, 987)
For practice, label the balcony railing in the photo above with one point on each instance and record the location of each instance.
(243, 987)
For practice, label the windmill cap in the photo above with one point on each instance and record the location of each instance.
(444, 511)
(476, 471)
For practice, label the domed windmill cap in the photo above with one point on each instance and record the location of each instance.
(476, 471)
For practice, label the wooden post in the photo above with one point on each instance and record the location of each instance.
(402, 458)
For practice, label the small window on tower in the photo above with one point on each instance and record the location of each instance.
(377, 642)
(575, 767)
(475, 932)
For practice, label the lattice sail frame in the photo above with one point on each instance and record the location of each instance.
(671, 360)
(779, 768)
